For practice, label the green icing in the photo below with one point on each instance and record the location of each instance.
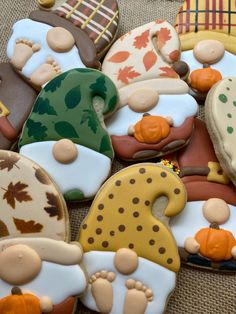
(230, 129)
(223, 98)
(229, 115)
(74, 195)
(69, 111)
(234, 103)
(44, 108)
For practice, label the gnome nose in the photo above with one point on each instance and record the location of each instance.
(65, 151)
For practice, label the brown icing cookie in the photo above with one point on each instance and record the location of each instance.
(98, 19)
(17, 99)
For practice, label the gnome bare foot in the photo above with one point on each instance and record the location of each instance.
(102, 290)
(23, 51)
(137, 297)
(45, 72)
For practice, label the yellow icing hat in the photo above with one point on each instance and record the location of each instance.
(121, 214)
(207, 19)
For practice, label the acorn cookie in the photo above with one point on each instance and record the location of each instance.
(127, 245)
(66, 136)
(141, 64)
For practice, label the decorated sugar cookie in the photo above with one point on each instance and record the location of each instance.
(35, 256)
(45, 45)
(205, 230)
(16, 101)
(30, 202)
(65, 135)
(141, 65)
(220, 117)
(207, 34)
(127, 246)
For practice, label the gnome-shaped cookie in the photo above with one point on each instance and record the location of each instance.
(66, 136)
(130, 254)
(39, 269)
(208, 39)
(155, 113)
(205, 230)
(16, 101)
(45, 45)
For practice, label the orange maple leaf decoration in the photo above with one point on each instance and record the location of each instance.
(149, 60)
(126, 74)
(142, 40)
(119, 57)
(163, 35)
(168, 72)
(15, 192)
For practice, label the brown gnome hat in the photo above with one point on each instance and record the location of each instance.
(200, 169)
(207, 19)
(97, 18)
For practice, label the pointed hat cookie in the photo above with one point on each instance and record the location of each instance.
(207, 19)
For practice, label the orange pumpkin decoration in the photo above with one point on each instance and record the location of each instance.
(19, 303)
(151, 129)
(203, 79)
(215, 244)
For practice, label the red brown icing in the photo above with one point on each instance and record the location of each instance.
(65, 307)
(127, 147)
(197, 154)
(18, 97)
(86, 47)
(7, 129)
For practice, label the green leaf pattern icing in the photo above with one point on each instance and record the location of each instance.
(64, 109)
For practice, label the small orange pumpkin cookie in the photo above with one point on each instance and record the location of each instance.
(203, 79)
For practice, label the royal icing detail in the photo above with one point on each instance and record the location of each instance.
(40, 64)
(129, 241)
(30, 202)
(64, 110)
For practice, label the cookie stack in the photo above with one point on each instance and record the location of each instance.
(72, 97)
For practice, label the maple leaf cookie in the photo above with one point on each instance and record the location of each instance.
(128, 244)
(205, 230)
(66, 136)
(35, 254)
(16, 101)
(208, 36)
(155, 115)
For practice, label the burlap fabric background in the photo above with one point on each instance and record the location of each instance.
(196, 291)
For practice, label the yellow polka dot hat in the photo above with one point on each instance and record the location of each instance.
(207, 19)
(121, 214)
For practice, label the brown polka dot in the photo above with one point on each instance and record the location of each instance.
(132, 181)
(142, 170)
(155, 228)
(118, 183)
(121, 228)
(163, 174)
(85, 226)
(111, 196)
(176, 191)
(149, 180)
(136, 214)
(105, 244)
(169, 261)
(162, 250)
(147, 203)
(112, 233)
(90, 240)
(98, 231)
(139, 228)
(121, 210)
(152, 242)
(99, 218)
(135, 200)
(131, 246)
(100, 206)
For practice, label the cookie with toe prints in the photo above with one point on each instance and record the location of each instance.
(127, 242)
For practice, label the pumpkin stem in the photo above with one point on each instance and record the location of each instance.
(214, 225)
(206, 65)
(16, 291)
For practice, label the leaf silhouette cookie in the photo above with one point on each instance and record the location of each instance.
(141, 64)
(128, 244)
(29, 200)
(69, 139)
